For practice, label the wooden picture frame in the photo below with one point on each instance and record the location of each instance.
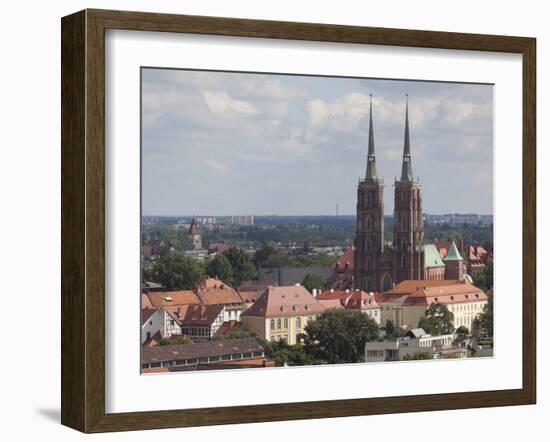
(83, 219)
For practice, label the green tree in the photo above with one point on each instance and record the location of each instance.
(284, 354)
(235, 333)
(390, 328)
(417, 356)
(312, 281)
(486, 317)
(220, 267)
(243, 268)
(484, 278)
(339, 336)
(176, 271)
(438, 320)
(263, 254)
(175, 340)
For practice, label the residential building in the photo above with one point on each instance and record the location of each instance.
(281, 313)
(212, 291)
(231, 353)
(351, 300)
(365, 303)
(412, 345)
(170, 300)
(407, 303)
(201, 322)
(157, 324)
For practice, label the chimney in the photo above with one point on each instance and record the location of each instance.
(314, 293)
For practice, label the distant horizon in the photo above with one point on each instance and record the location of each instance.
(304, 215)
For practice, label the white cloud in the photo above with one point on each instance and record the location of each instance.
(220, 102)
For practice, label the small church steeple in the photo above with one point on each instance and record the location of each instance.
(371, 159)
(406, 168)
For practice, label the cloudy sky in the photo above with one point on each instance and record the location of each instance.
(219, 143)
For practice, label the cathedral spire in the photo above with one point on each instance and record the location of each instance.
(406, 169)
(371, 159)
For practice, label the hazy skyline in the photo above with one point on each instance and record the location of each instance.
(217, 143)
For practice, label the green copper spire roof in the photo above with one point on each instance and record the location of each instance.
(406, 169)
(453, 254)
(431, 256)
(371, 159)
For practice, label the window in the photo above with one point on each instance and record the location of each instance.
(273, 324)
(278, 323)
(298, 322)
(286, 323)
(308, 306)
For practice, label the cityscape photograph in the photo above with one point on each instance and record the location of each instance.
(299, 220)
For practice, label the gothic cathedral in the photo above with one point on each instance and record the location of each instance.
(379, 265)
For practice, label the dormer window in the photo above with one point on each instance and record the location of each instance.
(308, 306)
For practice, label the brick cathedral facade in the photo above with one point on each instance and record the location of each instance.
(379, 264)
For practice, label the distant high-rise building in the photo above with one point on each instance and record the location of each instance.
(246, 220)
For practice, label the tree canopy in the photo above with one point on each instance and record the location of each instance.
(176, 271)
(243, 268)
(312, 281)
(438, 320)
(485, 319)
(339, 336)
(484, 278)
(220, 267)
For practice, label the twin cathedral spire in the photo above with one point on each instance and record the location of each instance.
(406, 168)
(379, 264)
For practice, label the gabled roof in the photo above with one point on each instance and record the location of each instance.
(453, 254)
(346, 258)
(285, 301)
(213, 291)
(146, 314)
(432, 257)
(201, 314)
(173, 298)
(361, 300)
(426, 292)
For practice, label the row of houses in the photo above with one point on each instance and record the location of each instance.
(214, 309)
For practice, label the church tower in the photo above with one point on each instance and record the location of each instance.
(369, 237)
(194, 235)
(408, 224)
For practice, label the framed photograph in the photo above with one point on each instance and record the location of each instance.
(267, 220)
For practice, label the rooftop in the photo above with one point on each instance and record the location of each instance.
(285, 301)
(164, 353)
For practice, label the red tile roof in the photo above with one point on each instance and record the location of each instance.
(426, 292)
(172, 298)
(213, 291)
(146, 313)
(346, 258)
(361, 300)
(201, 314)
(285, 301)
